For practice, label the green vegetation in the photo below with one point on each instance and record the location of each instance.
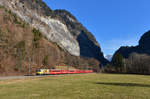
(20, 54)
(37, 36)
(15, 19)
(118, 60)
(134, 64)
(21, 50)
(18, 67)
(116, 66)
(85, 86)
(45, 61)
(14, 16)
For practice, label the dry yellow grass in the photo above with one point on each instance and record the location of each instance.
(64, 67)
(85, 86)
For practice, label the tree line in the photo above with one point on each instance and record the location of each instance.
(135, 64)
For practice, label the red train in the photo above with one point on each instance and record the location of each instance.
(58, 71)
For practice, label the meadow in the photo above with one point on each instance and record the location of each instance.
(80, 86)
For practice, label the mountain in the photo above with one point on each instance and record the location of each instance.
(109, 57)
(32, 33)
(134, 59)
(142, 48)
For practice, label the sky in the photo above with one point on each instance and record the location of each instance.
(114, 23)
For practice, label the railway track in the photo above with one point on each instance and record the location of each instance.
(22, 77)
(26, 77)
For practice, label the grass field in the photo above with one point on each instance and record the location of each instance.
(84, 86)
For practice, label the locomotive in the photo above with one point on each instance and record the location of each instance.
(59, 71)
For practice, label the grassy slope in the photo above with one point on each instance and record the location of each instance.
(85, 86)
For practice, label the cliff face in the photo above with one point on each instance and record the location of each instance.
(30, 32)
(58, 26)
(142, 48)
(36, 14)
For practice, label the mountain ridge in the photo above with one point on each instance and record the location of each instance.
(142, 48)
(54, 35)
(47, 22)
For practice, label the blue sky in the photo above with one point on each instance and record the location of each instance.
(114, 23)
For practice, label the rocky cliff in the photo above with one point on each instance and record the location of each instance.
(37, 14)
(31, 32)
(142, 48)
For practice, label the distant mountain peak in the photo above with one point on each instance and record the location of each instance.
(109, 57)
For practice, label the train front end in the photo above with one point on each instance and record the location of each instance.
(42, 72)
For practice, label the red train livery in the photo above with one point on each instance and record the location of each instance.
(58, 71)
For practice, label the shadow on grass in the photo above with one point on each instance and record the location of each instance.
(123, 84)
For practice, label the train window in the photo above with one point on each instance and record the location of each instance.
(38, 70)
